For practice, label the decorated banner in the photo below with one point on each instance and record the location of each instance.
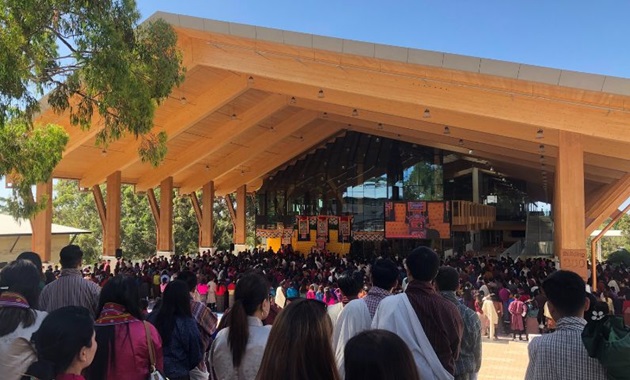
(345, 229)
(322, 227)
(304, 232)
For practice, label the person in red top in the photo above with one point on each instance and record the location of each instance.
(123, 351)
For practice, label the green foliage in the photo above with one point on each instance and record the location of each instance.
(28, 156)
(185, 227)
(621, 256)
(424, 182)
(93, 59)
(75, 208)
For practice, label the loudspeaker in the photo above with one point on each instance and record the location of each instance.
(231, 247)
(119, 253)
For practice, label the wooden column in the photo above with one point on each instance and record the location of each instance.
(41, 223)
(111, 234)
(241, 199)
(570, 243)
(165, 234)
(206, 228)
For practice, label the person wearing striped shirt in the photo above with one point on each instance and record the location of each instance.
(70, 289)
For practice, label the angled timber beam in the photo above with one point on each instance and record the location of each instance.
(259, 168)
(197, 207)
(231, 209)
(241, 155)
(221, 137)
(155, 207)
(600, 208)
(215, 97)
(100, 205)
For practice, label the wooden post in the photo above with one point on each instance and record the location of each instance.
(41, 223)
(165, 235)
(241, 199)
(112, 228)
(569, 214)
(206, 228)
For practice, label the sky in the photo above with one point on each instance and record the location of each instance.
(575, 35)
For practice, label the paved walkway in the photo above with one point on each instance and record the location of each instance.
(503, 359)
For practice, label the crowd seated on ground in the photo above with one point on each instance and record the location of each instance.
(162, 314)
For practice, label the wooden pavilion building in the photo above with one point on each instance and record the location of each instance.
(257, 101)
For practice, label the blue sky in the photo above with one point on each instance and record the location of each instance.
(574, 35)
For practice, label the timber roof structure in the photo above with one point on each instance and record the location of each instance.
(257, 99)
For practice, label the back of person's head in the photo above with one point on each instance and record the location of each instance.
(423, 264)
(384, 274)
(566, 291)
(299, 345)
(32, 257)
(175, 304)
(121, 290)
(18, 279)
(350, 283)
(189, 278)
(250, 294)
(70, 256)
(378, 355)
(66, 335)
(447, 279)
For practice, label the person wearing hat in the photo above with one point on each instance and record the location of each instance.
(70, 289)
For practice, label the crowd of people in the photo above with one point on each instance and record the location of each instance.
(283, 315)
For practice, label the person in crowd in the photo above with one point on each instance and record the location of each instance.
(310, 294)
(319, 295)
(379, 355)
(281, 296)
(36, 260)
(212, 293)
(202, 289)
(238, 349)
(299, 345)
(70, 289)
(350, 284)
(562, 355)
(492, 308)
(329, 297)
(19, 317)
(206, 322)
(469, 362)
(181, 341)
(518, 311)
(384, 275)
(121, 334)
(65, 344)
(430, 324)
(485, 323)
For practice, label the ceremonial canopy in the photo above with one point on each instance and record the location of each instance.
(256, 100)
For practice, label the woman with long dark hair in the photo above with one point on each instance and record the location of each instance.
(238, 349)
(299, 345)
(181, 340)
(19, 319)
(121, 334)
(379, 355)
(65, 345)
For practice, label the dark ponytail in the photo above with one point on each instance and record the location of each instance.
(251, 291)
(62, 335)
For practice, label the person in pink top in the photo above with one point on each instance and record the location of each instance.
(123, 347)
(310, 294)
(202, 289)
